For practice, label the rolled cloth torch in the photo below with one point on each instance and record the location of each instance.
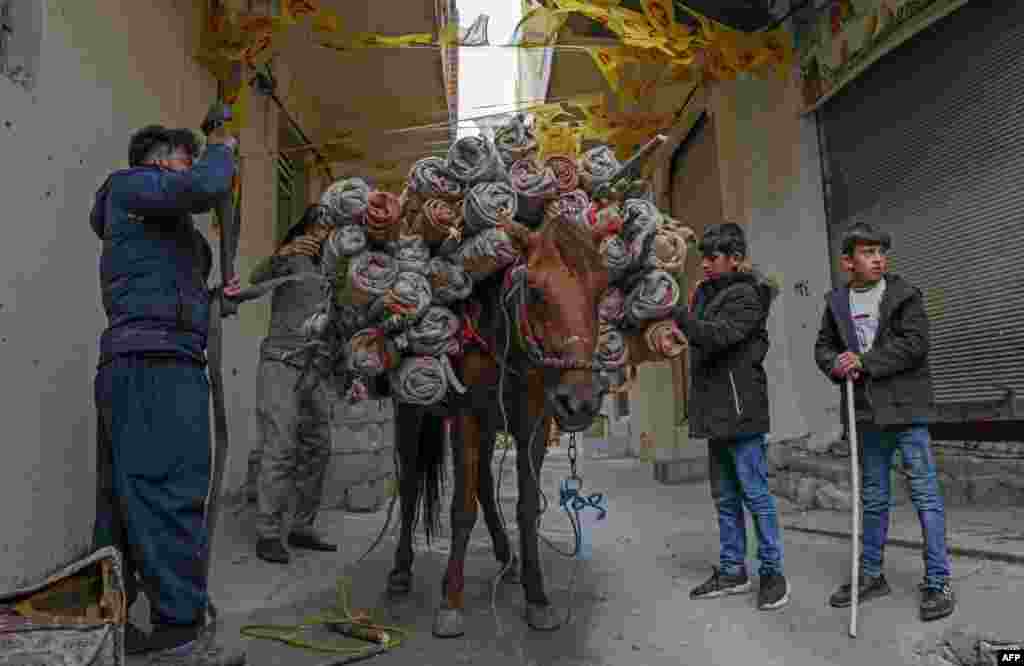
(630, 170)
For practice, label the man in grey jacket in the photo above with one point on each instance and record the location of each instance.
(294, 417)
(875, 330)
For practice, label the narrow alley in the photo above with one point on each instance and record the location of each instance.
(630, 603)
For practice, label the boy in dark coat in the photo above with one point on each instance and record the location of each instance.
(729, 406)
(876, 331)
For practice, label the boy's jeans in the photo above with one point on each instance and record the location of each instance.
(877, 448)
(738, 471)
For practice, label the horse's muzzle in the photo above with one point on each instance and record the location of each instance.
(575, 406)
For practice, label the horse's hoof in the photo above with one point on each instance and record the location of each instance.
(542, 618)
(448, 622)
(511, 571)
(399, 583)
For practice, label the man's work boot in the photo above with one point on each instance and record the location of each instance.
(272, 550)
(870, 588)
(720, 585)
(202, 650)
(937, 602)
(136, 641)
(309, 541)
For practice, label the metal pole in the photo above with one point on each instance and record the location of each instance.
(855, 492)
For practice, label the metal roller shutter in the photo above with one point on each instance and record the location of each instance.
(929, 145)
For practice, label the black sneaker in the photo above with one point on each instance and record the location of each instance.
(870, 588)
(937, 602)
(720, 585)
(272, 550)
(774, 592)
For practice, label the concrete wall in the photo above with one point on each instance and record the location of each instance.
(105, 69)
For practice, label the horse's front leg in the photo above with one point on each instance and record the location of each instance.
(531, 427)
(408, 427)
(492, 517)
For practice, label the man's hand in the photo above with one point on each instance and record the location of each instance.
(214, 125)
(848, 363)
(306, 246)
(233, 288)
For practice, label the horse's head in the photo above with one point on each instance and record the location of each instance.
(565, 278)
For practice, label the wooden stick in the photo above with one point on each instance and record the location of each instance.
(855, 492)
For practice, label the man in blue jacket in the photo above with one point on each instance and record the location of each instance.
(151, 390)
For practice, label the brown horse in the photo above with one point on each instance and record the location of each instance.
(538, 329)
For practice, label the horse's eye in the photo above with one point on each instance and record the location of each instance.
(534, 295)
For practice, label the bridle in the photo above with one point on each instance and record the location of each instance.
(515, 300)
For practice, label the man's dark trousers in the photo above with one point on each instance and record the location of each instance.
(154, 474)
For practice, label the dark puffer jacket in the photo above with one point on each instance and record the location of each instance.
(728, 343)
(155, 264)
(896, 388)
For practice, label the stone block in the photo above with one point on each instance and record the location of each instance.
(981, 490)
(675, 472)
(821, 467)
(805, 491)
(348, 470)
(828, 496)
(367, 497)
(779, 454)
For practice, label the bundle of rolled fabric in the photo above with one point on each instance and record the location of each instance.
(370, 276)
(616, 257)
(485, 204)
(347, 199)
(435, 334)
(612, 308)
(604, 221)
(411, 254)
(486, 253)
(638, 217)
(639, 248)
(567, 176)
(668, 251)
(420, 380)
(534, 186)
(441, 225)
(430, 178)
(675, 226)
(449, 282)
(345, 241)
(570, 205)
(597, 166)
(612, 350)
(370, 352)
(474, 159)
(653, 297)
(665, 339)
(515, 141)
(383, 217)
(407, 299)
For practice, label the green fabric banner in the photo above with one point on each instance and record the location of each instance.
(848, 36)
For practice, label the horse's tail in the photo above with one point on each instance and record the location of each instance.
(431, 471)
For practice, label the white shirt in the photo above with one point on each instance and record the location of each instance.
(864, 308)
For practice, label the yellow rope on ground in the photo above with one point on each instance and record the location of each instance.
(391, 636)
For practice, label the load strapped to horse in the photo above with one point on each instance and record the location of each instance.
(498, 292)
